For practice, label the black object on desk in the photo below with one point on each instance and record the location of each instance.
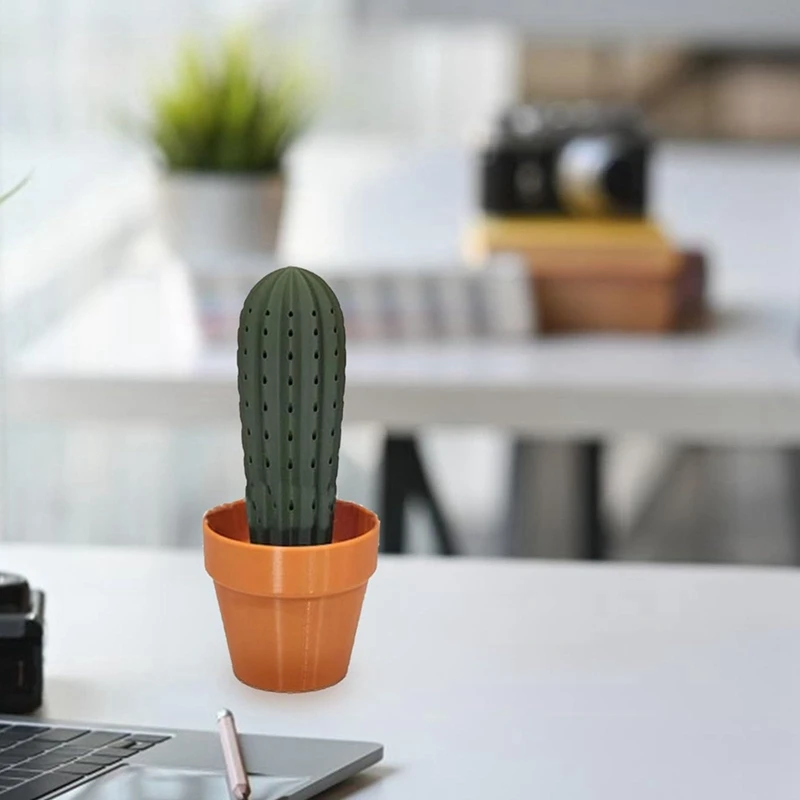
(21, 645)
(566, 160)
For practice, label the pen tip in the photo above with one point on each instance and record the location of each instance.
(222, 713)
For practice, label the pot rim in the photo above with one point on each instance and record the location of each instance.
(291, 571)
(219, 176)
(309, 548)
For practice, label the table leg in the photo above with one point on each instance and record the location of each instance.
(555, 509)
(792, 458)
(404, 477)
(590, 499)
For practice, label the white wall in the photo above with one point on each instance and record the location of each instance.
(741, 21)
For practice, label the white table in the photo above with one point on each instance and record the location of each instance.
(482, 678)
(132, 350)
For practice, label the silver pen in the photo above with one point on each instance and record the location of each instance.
(234, 763)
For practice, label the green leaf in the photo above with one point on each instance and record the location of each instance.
(230, 108)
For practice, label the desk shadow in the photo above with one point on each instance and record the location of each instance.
(723, 319)
(358, 783)
(737, 320)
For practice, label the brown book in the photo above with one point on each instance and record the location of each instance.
(622, 301)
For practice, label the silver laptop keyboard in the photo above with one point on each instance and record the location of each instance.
(36, 760)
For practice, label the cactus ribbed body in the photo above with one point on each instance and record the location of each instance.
(291, 360)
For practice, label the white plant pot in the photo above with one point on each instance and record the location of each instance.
(209, 219)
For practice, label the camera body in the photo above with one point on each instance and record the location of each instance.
(21, 645)
(581, 160)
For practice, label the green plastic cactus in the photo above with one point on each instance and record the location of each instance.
(291, 360)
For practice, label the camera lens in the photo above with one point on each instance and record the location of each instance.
(594, 175)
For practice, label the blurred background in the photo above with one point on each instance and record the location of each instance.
(118, 426)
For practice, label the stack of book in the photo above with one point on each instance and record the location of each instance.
(617, 275)
(392, 304)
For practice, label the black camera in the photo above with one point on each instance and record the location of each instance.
(21, 645)
(567, 160)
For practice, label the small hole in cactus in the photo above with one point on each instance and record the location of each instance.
(333, 431)
(291, 381)
(290, 355)
(247, 329)
(244, 376)
(290, 437)
(264, 354)
(313, 505)
(291, 506)
(316, 333)
(334, 404)
(313, 463)
(266, 313)
(331, 311)
(316, 407)
(290, 464)
(316, 354)
(264, 380)
(244, 352)
(266, 435)
(248, 431)
(330, 461)
(336, 379)
(247, 404)
(336, 352)
(250, 460)
(250, 310)
(290, 408)
(265, 406)
(316, 380)
(291, 333)
(314, 313)
(313, 436)
(266, 463)
(335, 329)
(291, 313)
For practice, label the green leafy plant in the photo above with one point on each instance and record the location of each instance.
(228, 110)
(291, 360)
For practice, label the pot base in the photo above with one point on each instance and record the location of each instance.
(292, 646)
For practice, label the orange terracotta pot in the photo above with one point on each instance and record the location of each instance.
(290, 613)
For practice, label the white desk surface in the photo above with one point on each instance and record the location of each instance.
(133, 350)
(481, 678)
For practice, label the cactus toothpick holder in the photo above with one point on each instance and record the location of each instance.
(290, 562)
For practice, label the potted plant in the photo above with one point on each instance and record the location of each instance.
(290, 562)
(221, 129)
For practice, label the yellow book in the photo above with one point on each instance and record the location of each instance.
(496, 234)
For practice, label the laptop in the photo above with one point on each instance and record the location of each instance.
(45, 759)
